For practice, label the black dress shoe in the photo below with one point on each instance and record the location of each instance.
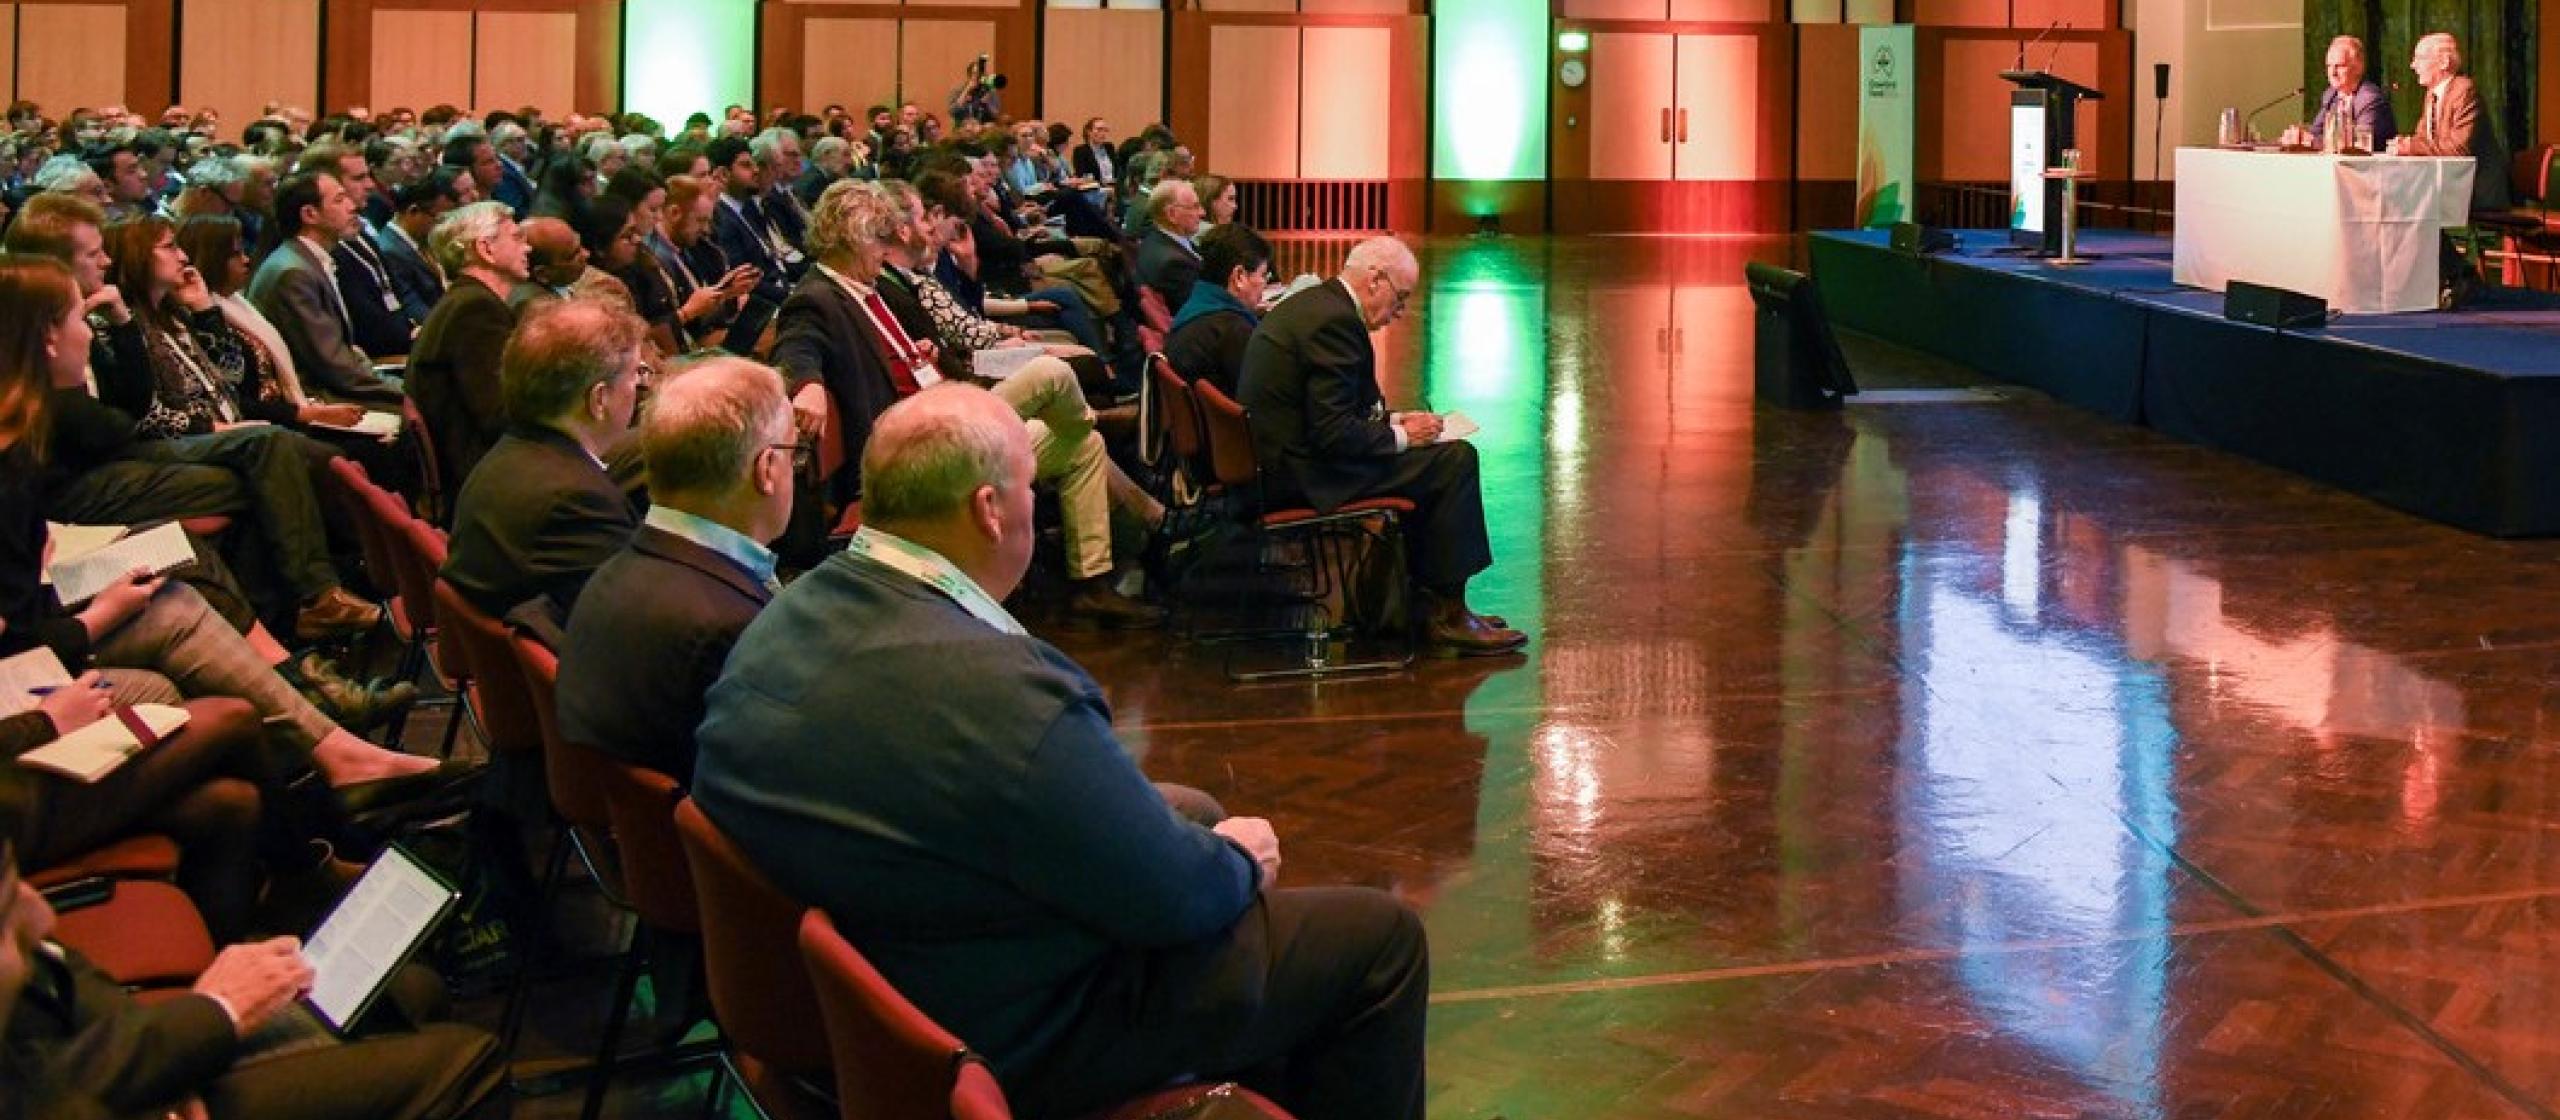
(366, 797)
(1470, 635)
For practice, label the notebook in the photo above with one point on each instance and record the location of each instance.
(160, 550)
(92, 752)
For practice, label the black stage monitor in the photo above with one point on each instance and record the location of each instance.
(1796, 362)
(1912, 237)
(2272, 307)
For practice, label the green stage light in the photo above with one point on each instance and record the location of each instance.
(1489, 90)
(682, 57)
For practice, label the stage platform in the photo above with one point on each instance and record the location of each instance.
(2450, 416)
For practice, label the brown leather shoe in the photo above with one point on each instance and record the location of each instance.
(333, 613)
(1117, 423)
(1095, 603)
(1470, 635)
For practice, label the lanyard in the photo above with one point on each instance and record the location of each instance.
(929, 568)
(182, 348)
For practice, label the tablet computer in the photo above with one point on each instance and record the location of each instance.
(381, 923)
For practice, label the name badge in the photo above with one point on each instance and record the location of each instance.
(390, 302)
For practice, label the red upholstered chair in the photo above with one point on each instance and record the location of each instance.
(382, 519)
(435, 503)
(657, 883)
(150, 855)
(1334, 542)
(895, 1063)
(147, 934)
(483, 652)
(831, 456)
(1178, 426)
(751, 960)
(1152, 313)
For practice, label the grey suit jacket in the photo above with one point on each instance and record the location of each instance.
(292, 289)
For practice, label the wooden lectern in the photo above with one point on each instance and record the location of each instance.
(2044, 114)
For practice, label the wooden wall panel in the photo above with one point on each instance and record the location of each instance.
(1827, 102)
(238, 55)
(419, 58)
(2090, 15)
(1104, 62)
(1253, 102)
(853, 62)
(526, 58)
(934, 56)
(1615, 9)
(62, 80)
(9, 47)
(1355, 7)
(1724, 11)
(1342, 117)
(1248, 5)
(1971, 130)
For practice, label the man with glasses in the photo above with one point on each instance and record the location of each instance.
(658, 619)
(1322, 433)
(1167, 260)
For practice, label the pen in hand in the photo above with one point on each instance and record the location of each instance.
(50, 689)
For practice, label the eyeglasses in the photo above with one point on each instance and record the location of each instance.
(1402, 294)
(801, 454)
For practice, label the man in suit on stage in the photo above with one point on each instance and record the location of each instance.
(660, 616)
(2357, 99)
(1321, 431)
(2454, 122)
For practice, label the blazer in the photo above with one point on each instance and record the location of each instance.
(2452, 122)
(868, 794)
(1087, 165)
(419, 282)
(2367, 107)
(382, 323)
(515, 188)
(822, 336)
(784, 207)
(660, 618)
(453, 375)
(292, 289)
(1165, 265)
(1310, 388)
(95, 1041)
(742, 244)
(537, 518)
(1211, 348)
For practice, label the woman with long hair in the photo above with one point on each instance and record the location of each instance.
(250, 359)
(191, 415)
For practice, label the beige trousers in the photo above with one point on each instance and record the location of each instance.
(1096, 501)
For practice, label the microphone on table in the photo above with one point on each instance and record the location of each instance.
(2023, 48)
(2252, 119)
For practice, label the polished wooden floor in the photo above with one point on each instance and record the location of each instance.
(1964, 759)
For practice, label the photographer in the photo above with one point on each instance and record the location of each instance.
(981, 98)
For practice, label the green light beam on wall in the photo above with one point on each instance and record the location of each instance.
(682, 57)
(1489, 90)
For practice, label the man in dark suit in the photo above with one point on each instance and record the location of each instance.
(2454, 122)
(781, 165)
(383, 328)
(745, 232)
(660, 616)
(1210, 332)
(2356, 100)
(507, 140)
(1095, 945)
(78, 1044)
(1167, 261)
(296, 289)
(1321, 431)
(454, 376)
(540, 513)
(416, 208)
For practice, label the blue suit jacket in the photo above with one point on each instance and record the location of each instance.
(743, 245)
(953, 796)
(2367, 107)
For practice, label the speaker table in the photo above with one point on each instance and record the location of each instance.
(2361, 232)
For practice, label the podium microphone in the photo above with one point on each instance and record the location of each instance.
(2023, 48)
(2056, 51)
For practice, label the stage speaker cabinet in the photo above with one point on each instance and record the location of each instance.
(1912, 237)
(2244, 302)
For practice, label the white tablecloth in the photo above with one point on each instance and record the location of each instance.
(2358, 231)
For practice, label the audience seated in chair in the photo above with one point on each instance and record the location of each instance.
(1167, 260)
(1043, 903)
(540, 513)
(658, 619)
(1322, 433)
(1210, 331)
(297, 290)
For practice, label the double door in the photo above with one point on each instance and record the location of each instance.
(1674, 107)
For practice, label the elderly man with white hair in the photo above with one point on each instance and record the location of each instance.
(894, 748)
(2454, 121)
(1167, 261)
(1322, 433)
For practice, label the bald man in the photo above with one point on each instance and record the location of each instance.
(1323, 435)
(2454, 122)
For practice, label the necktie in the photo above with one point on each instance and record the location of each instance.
(907, 367)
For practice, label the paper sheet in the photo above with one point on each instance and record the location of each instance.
(1457, 425)
(21, 675)
(1003, 361)
(382, 425)
(159, 550)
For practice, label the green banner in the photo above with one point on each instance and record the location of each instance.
(1886, 79)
